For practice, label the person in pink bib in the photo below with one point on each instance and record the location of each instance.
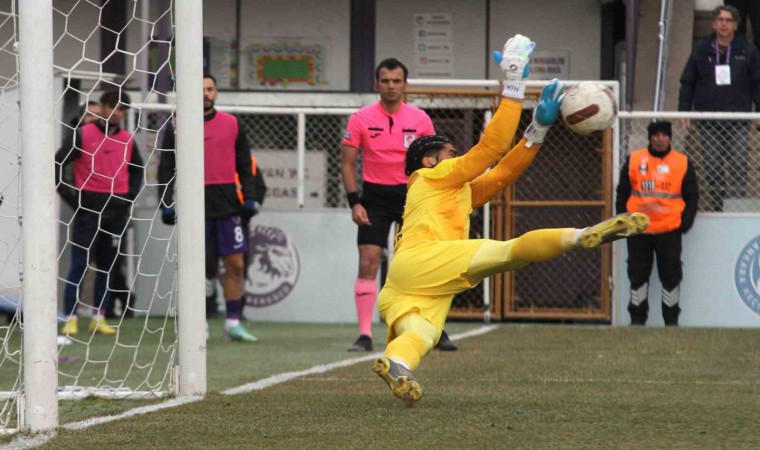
(107, 176)
(382, 132)
(227, 159)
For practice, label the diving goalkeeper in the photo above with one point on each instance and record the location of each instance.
(434, 259)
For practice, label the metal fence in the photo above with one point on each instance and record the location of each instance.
(571, 183)
(722, 147)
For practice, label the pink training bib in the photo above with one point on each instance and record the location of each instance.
(104, 161)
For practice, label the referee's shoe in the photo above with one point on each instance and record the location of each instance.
(445, 344)
(363, 344)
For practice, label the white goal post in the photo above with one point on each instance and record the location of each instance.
(31, 347)
(39, 266)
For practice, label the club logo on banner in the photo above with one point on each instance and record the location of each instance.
(747, 275)
(273, 266)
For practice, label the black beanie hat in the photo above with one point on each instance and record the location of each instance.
(660, 126)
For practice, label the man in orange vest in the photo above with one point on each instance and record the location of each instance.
(660, 182)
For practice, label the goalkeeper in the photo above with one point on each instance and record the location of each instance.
(434, 260)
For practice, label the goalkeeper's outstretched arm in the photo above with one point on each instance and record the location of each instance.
(506, 172)
(517, 161)
(492, 146)
(515, 61)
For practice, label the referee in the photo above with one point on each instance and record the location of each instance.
(383, 131)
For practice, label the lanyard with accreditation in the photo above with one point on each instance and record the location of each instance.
(722, 71)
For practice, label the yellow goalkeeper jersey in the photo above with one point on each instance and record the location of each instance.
(440, 199)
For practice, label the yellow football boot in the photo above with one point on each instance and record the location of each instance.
(401, 380)
(100, 326)
(618, 227)
(71, 326)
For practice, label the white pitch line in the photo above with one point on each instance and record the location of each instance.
(24, 442)
(287, 376)
(176, 401)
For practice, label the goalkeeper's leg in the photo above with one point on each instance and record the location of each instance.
(543, 245)
(415, 337)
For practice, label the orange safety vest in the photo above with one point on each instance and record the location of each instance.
(656, 188)
(254, 168)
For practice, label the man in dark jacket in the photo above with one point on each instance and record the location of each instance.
(723, 74)
(659, 182)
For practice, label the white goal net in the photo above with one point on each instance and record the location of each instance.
(117, 263)
(10, 237)
(118, 333)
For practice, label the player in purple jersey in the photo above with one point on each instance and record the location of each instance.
(226, 154)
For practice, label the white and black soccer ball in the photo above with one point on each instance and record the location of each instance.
(589, 107)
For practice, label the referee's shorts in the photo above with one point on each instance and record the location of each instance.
(384, 205)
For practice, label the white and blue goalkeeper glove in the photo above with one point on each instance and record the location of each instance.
(546, 113)
(514, 60)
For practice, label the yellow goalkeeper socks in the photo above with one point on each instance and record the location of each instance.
(416, 336)
(543, 245)
(407, 349)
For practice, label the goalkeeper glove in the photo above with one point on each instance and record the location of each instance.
(250, 209)
(168, 215)
(515, 61)
(546, 113)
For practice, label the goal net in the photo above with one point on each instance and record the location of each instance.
(11, 374)
(117, 275)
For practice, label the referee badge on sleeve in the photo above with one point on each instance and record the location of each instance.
(347, 135)
(408, 139)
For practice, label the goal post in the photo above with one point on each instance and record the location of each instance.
(50, 68)
(191, 279)
(39, 265)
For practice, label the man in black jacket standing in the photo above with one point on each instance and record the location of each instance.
(723, 74)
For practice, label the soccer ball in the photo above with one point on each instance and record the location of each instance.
(588, 107)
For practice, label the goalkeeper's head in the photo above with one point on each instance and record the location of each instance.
(427, 152)
(114, 105)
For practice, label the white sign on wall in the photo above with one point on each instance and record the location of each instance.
(433, 46)
(548, 64)
(301, 273)
(279, 168)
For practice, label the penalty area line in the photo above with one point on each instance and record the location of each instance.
(24, 441)
(287, 376)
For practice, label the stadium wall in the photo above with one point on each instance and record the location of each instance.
(721, 275)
